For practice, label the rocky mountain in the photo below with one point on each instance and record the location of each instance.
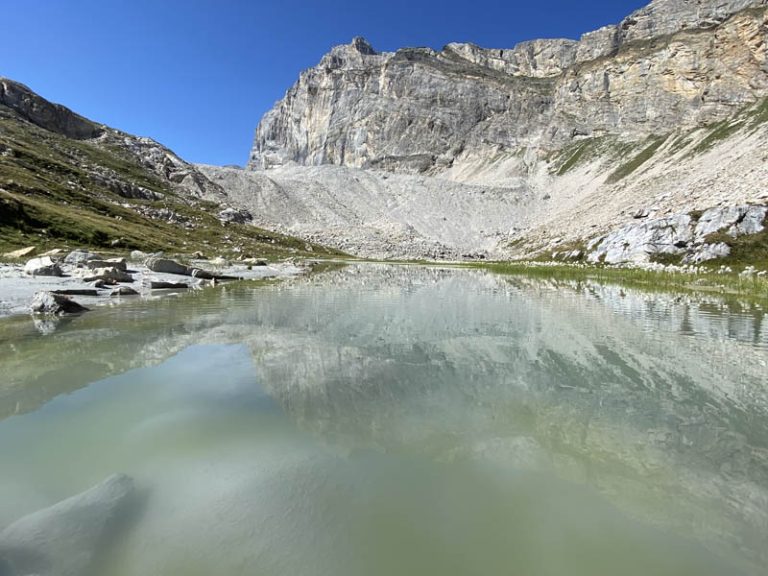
(675, 63)
(65, 179)
(663, 113)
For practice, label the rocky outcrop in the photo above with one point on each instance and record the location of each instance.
(639, 242)
(235, 216)
(663, 17)
(679, 235)
(734, 220)
(53, 117)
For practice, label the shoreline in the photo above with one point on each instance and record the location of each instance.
(18, 289)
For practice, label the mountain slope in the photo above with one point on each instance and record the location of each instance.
(663, 113)
(66, 179)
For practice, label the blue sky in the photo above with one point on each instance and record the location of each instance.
(197, 75)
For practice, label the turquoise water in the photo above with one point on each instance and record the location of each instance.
(402, 420)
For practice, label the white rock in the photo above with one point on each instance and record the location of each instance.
(43, 266)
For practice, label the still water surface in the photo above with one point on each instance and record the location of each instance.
(401, 421)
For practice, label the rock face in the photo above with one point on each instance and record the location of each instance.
(738, 220)
(65, 539)
(638, 242)
(418, 110)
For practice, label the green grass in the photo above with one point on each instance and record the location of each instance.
(49, 199)
(717, 133)
(680, 143)
(636, 162)
(753, 288)
(750, 250)
(759, 114)
(574, 155)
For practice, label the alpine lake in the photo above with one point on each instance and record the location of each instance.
(393, 420)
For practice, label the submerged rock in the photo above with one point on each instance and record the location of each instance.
(43, 266)
(65, 539)
(76, 292)
(55, 304)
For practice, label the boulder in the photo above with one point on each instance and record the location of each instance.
(167, 266)
(21, 253)
(138, 255)
(66, 539)
(55, 304)
(43, 266)
(234, 216)
(80, 257)
(118, 263)
(109, 274)
(124, 291)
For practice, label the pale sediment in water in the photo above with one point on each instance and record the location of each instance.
(385, 419)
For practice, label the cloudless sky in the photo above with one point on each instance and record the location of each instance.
(197, 75)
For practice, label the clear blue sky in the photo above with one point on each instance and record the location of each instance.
(197, 75)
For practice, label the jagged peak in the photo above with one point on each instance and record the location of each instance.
(363, 46)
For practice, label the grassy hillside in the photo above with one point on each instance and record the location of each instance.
(57, 191)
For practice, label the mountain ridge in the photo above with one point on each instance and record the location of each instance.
(365, 109)
(66, 180)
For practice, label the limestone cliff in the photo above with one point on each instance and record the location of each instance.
(675, 63)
